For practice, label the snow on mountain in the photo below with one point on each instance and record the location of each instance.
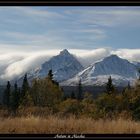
(137, 64)
(63, 66)
(121, 71)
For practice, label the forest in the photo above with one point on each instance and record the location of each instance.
(45, 99)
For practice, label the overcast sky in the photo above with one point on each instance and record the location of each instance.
(31, 35)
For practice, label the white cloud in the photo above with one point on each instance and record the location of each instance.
(36, 12)
(31, 12)
(38, 26)
(107, 16)
(87, 57)
(52, 39)
(17, 63)
(130, 54)
(21, 64)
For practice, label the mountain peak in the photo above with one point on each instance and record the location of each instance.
(113, 56)
(64, 66)
(64, 52)
(121, 71)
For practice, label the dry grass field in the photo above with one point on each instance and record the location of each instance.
(53, 124)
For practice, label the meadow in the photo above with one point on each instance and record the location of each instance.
(54, 124)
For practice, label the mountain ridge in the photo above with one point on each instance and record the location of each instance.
(64, 66)
(121, 71)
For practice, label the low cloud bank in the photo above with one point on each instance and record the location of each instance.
(14, 64)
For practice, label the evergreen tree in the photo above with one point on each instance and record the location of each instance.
(25, 86)
(72, 95)
(15, 99)
(24, 91)
(126, 89)
(128, 86)
(50, 75)
(79, 95)
(109, 86)
(139, 71)
(34, 91)
(6, 98)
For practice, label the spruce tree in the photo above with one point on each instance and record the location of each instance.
(24, 90)
(128, 86)
(109, 86)
(79, 95)
(25, 86)
(15, 98)
(50, 75)
(6, 97)
(34, 91)
(72, 95)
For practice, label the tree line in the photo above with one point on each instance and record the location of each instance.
(38, 94)
(46, 92)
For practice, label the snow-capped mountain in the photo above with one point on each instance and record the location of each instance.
(137, 64)
(63, 66)
(121, 71)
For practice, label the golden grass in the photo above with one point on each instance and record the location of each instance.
(53, 124)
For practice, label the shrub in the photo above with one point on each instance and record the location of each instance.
(34, 111)
(70, 106)
(107, 105)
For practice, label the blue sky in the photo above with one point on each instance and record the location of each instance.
(70, 27)
(31, 35)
